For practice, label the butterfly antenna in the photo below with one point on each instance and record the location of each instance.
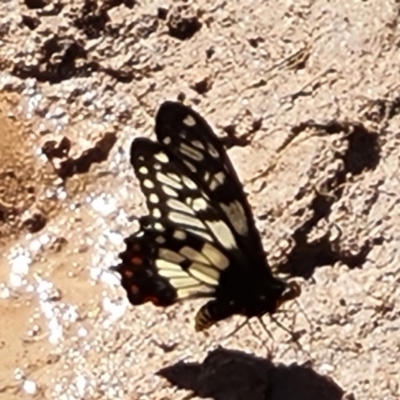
(237, 329)
(293, 335)
(269, 333)
(286, 312)
(304, 313)
(263, 342)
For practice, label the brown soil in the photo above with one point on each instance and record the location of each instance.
(310, 90)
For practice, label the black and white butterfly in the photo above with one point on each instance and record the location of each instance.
(199, 239)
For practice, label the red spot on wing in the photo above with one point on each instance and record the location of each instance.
(134, 289)
(135, 260)
(127, 273)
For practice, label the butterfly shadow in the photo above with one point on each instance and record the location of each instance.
(234, 375)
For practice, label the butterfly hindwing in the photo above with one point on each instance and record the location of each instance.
(139, 274)
(168, 264)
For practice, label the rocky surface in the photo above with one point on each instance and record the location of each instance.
(306, 96)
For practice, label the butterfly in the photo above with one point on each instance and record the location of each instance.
(199, 239)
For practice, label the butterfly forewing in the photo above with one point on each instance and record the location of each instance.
(189, 136)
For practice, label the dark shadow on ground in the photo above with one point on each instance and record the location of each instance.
(234, 375)
(363, 154)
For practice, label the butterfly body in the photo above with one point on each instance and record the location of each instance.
(199, 239)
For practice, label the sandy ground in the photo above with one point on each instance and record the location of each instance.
(310, 88)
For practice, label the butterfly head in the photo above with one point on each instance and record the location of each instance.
(269, 298)
(291, 292)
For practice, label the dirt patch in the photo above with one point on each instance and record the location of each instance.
(18, 175)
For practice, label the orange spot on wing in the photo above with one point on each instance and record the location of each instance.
(137, 260)
(127, 273)
(134, 289)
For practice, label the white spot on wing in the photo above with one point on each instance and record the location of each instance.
(217, 180)
(189, 121)
(190, 166)
(223, 234)
(169, 266)
(156, 213)
(169, 191)
(184, 219)
(191, 291)
(234, 211)
(218, 259)
(184, 282)
(175, 177)
(168, 181)
(212, 150)
(204, 274)
(202, 233)
(159, 227)
(160, 239)
(193, 255)
(178, 205)
(167, 140)
(162, 157)
(169, 255)
(189, 183)
(198, 144)
(180, 235)
(153, 198)
(148, 184)
(199, 204)
(167, 272)
(190, 152)
(143, 170)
